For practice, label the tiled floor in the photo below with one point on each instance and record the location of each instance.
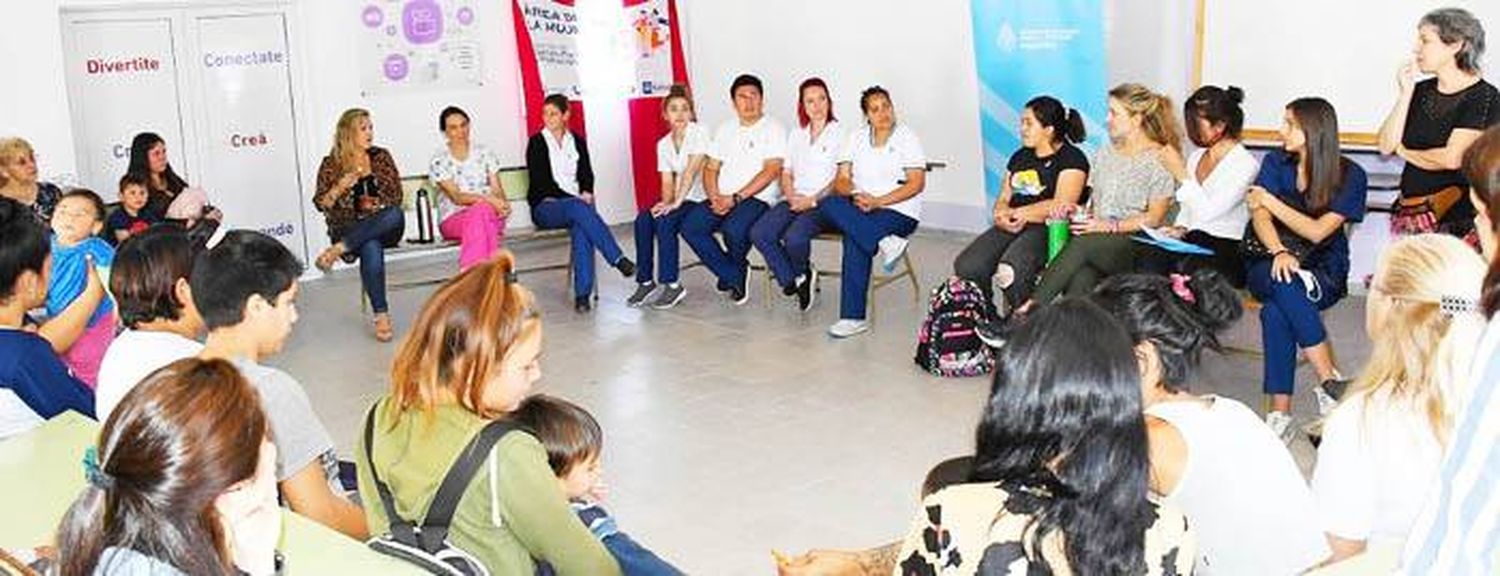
(733, 431)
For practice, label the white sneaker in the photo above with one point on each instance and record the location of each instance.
(845, 328)
(1280, 423)
(891, 249)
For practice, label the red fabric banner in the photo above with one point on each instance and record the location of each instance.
(646, 122)
(531, 76)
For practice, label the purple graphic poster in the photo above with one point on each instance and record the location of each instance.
(419, 45)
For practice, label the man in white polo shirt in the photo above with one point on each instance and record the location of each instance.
(744, 162)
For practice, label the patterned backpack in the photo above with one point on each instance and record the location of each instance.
(947, 342)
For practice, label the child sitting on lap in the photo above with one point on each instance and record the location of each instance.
(134, 216)
(76, 223)
(574, 442)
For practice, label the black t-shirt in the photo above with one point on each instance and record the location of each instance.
(1432, 118)
(1034, 179)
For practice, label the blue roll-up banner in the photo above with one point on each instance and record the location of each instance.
(1026, 48)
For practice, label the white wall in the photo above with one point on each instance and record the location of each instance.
(922, 52)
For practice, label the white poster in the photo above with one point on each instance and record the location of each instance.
(552, 27)
(122, 80)
(249, 140)
(419, 44)
(651, 29)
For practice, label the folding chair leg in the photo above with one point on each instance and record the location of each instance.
(911, 274)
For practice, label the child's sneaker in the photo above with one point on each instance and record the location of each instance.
(670, 295)
(642, 293)
(891, 249)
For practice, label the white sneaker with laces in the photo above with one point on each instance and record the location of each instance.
(891, 249)
(847, 327)
(1280, 423)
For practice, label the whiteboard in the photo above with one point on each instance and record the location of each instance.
(1346, 51)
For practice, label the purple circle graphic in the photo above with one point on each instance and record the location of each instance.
(396, 67)
(422, 21)
(373, 16)
(466, 15)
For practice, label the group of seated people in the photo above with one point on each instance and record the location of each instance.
(1098, 463)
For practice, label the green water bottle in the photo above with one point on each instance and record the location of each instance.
(1058, 231)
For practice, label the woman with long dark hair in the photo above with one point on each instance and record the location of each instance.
(1047, 172)
(1211, 456)
(1299, 205)
(169, 194)
(181, 482)
(1456, 533)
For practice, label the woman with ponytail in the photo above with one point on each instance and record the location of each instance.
(470, 358)
(1047, 172)
(1211, 456)
(1382, 445)
(1456, 532)
(1211, 196)
(1131, 190)
(181, 482)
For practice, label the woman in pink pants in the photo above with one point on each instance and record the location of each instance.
(473, 206)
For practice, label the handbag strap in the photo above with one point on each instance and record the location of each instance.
(445, 503)
(401, 529)
(434, 529)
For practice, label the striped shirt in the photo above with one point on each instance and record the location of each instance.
(1458, 531)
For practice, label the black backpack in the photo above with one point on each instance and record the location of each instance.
(427, 545)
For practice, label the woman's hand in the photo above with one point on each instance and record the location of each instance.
(1013, 222)
(500, 204)
(1174, 232)
(1406, 76)
(1284, 267)
(1255, 197)
(661, 209)
(799, 203)
(1096, 226)
(1062, 211)
(721, 204)
(586, 197)
(866, 202)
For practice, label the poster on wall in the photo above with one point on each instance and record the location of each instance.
(552, 28)
(1028, 49)
(122, 79)
(413, 45)
(651, 31)
(250, 137)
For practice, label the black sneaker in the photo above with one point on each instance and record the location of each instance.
(738, 294)
(625, 266)
(670, 295)
(583, 304)
(642, 293)
(1328, 393)
(807, 291)
(791, 289)
(723, 287)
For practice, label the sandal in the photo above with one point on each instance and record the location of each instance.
(383, 330)
(326, 259)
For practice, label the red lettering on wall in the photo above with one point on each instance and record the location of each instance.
(136, 64)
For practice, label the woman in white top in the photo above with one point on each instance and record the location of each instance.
(472, 208)
(875, 204)
(1212, 456)
(1211, 197)
(680, 156)
(1382, 446)
(150, 283)
(784, 234)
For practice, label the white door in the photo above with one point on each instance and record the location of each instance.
(248, 138)
(122, 79)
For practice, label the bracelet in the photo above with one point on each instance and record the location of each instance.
(1282, 251)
